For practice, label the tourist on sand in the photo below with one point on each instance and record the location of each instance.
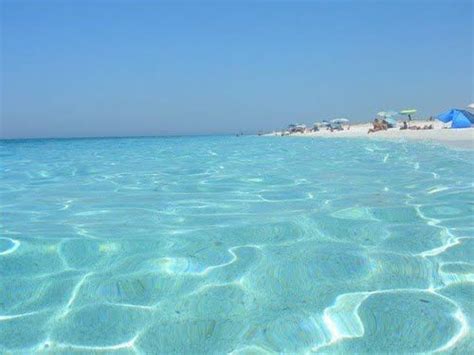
(378, 126)
(405, 125)
(375, 128)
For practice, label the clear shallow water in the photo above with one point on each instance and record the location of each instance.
(221, 244)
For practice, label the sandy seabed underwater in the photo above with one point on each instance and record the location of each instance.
(235, 244)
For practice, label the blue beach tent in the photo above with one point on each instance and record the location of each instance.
(458, 118)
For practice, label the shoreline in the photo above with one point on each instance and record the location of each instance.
(454, 138)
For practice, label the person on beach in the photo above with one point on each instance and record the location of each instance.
(378, 126)
(375, 128)
(405, 125)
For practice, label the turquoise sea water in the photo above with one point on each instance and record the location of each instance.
(226, 244)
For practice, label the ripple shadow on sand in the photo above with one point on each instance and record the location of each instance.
(235, 245)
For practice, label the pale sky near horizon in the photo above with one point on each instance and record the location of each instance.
(124, 68)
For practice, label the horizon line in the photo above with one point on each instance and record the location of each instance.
(125, 136)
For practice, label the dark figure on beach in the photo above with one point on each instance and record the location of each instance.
(375, 128)
(405, 125)
(336, 127)
(378, 126)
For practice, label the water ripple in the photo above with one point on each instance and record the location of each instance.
(235, 245)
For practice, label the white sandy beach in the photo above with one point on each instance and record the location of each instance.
(457, 138)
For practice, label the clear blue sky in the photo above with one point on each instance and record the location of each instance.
(112, 68)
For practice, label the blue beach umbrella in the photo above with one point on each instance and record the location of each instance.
(460, 121)
(391, 121)
(389, 117)
(458, 118)
(445, 116)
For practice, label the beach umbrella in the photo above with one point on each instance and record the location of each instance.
(391, 121)
(340, 120)
(460, 121)
(387, 113)
(471, 106)
(458, 118)
(446, 117)
(408, 113)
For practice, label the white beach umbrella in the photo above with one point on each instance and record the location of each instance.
(341, 120)
(387, 113)
(470, 106)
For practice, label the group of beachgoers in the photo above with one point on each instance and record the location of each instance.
(383, 125)
(385, 120)
(325, 125)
